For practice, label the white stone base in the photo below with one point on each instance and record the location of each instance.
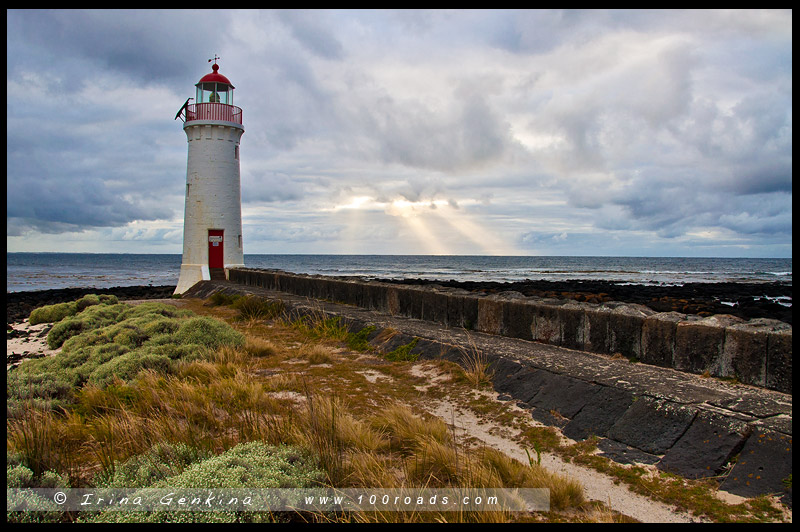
(191, 274)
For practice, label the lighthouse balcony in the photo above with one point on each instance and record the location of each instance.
(213, 111)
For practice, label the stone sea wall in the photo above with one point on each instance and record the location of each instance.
(757, 352)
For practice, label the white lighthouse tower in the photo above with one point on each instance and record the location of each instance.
(212, 224)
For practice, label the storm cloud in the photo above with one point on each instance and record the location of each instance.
(529, 132)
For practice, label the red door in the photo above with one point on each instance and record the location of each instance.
(215, 246)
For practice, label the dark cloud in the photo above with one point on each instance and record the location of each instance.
(558, 129)
(143, 45)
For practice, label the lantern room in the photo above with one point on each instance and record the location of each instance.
(213, 100)
(214, 88)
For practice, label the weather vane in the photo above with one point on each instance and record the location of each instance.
(215, 59)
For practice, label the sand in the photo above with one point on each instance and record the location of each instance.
(31, 342)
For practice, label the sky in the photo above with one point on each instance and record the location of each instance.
(620, 133)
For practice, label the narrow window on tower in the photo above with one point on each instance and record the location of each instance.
(188, 186)
(236, 152)
(240, 241)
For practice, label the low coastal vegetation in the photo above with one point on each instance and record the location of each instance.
(156, 396)
(235, 391)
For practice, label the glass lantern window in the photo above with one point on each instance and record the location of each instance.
(214, 93)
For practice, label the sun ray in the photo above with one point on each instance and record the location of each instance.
(488, 241)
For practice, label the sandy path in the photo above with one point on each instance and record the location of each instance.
(596, 485)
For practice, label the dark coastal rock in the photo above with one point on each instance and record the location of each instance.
(20, 304)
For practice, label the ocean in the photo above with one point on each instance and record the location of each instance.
(42, 271)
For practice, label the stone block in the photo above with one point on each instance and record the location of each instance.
(390, 342)
(517, 319)
(762, 465)
(779, 360)
(304, 286)
(744, 354)
(625, 329)
(338, 291)
(469, 312)
(564, 395)
(433, 305)
(546, 323)
(355, 293)
(658, 338)
(393, 300)
(698, 345)
(574, 326)
(706, 447)
(549, 417)
(375, 296)
(652, 425)
(427, 349)
(525, 384)
(503, 370)
(327, 288)
(451, 353)
(490, 315)
(598, 339)
(624, 454)
(462, 310)
(410, 304)
(599, 414)
(353, 325)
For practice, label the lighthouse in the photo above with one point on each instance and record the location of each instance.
(212, 223)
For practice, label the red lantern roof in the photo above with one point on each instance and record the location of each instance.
(215, 77)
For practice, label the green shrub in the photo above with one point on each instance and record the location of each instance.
(253, 465)
(59, 311)
(154, 308)
(403, 353)
(184, 352)
(52, 313)
(87, 301)
(19, 476)
(128, 366)
(359, 341)
(40, 510)
(91, 318)
(39, 382)
(208, 332)
(108, 341)
(162, 461)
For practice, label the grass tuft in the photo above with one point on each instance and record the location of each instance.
(257, 308)
(475, 369)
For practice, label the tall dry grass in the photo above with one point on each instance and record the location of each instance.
(215, 402)
(475, 367)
